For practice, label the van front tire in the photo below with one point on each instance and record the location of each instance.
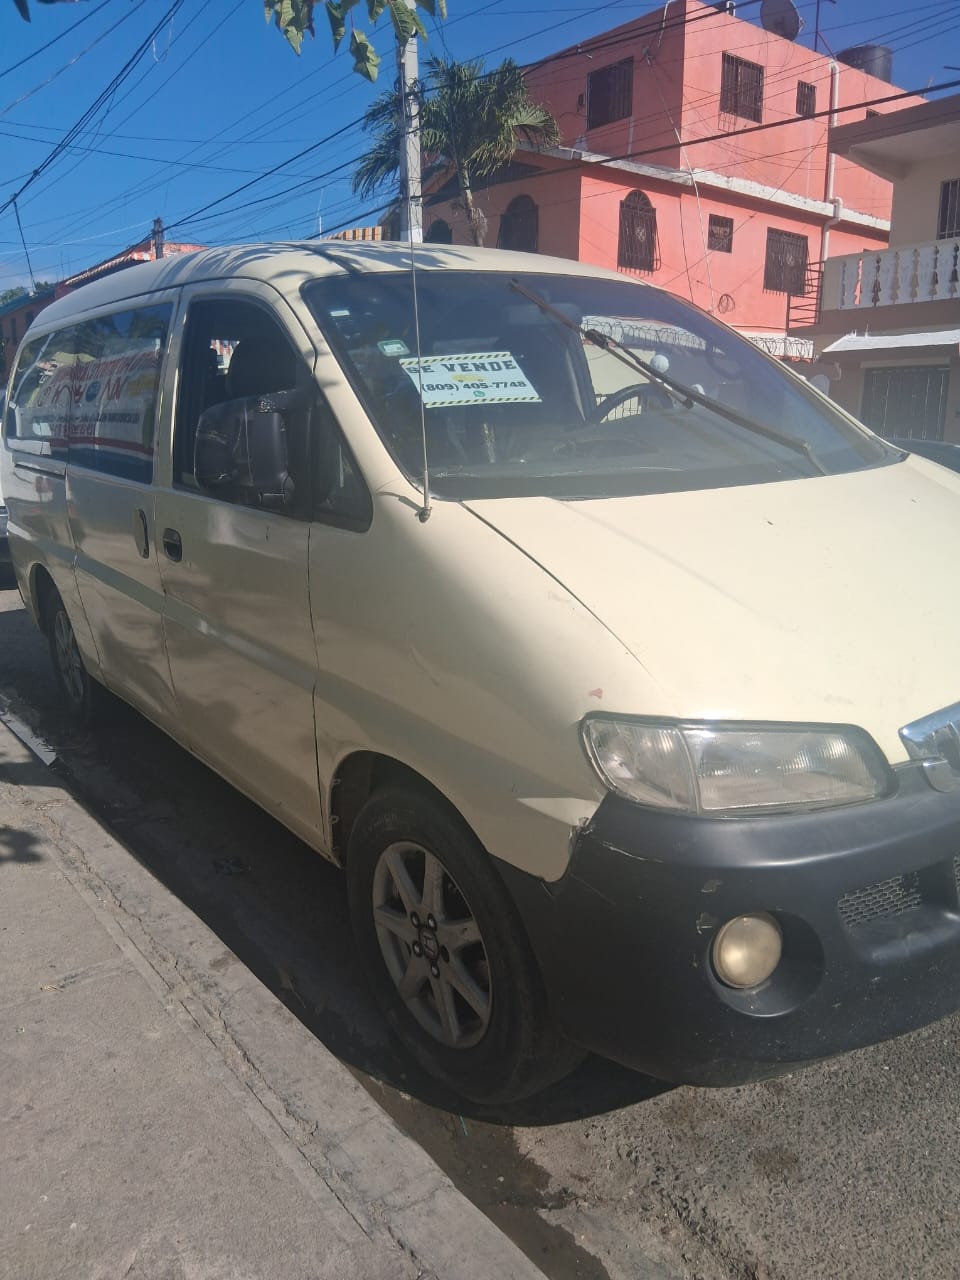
(446, 952)
(83, 696)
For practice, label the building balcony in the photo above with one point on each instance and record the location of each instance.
(888, 278)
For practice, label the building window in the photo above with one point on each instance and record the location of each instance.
(948, 224)
(720, 234)
(439, 232)
(519, 226)
(637, 248)
(785, 268)
(741, 88)
(806, 98)
(610, 94)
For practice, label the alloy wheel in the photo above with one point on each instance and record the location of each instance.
(432, 945)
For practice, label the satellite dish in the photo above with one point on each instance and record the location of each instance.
(781, 18)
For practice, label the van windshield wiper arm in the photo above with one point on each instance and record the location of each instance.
(678, 390)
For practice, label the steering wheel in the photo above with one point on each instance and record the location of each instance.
(646, 392)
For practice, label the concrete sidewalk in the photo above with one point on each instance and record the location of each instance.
(162, 1115)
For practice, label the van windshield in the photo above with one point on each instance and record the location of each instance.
(573, 387)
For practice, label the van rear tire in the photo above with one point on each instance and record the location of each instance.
(84, 697)
(451, 968)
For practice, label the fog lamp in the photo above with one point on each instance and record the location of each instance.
(747, 950)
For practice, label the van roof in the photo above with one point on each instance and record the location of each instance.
(292, 264)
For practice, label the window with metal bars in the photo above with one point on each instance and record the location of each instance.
(948, 224)
(720, 233)
(785, 266)
(806, 98)
(637, 247)
(610, 93)
(741, 88)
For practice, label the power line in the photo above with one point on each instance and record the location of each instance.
(218, 23)
(94, 107)
(190, 217)
(222, 144)
(128, 155)
(71, 62)
(784, 76)
(15, 66)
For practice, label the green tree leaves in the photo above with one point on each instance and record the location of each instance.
(470, 121)
(294, 18)
(20, 291)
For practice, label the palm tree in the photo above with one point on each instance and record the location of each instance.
(471, 122)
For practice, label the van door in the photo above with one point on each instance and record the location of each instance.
(237, 613)
(113, 391)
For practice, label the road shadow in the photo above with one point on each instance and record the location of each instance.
(282, 909)
(27, 773)
(17, 846)
(272, 900)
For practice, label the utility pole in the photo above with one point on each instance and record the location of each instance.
(411, 212)
(156, 237)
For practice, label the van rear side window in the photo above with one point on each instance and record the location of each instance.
(88, 392)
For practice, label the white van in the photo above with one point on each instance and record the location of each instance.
(616, 665)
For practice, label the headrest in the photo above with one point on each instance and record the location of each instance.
(260, 366)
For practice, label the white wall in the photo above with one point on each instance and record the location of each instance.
(916, 200)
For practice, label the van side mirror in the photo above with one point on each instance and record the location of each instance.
(241, 447)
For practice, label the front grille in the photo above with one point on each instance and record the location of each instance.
(885, 899)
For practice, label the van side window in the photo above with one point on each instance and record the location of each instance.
(234, 350)
(89, 391)
(38, 407)
(340, 496)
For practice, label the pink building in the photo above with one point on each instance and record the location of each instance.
(658, 178)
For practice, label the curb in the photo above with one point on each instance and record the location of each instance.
(316, 1116)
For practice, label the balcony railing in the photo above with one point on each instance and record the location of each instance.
(889, 277)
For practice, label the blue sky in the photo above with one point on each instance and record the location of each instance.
(219, 98)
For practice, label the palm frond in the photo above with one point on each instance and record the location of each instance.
(469, 118)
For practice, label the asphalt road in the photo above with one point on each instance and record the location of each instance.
(849, 1169)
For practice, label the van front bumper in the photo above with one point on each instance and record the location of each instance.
(867, 898)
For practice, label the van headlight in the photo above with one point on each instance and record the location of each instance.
(731, 768)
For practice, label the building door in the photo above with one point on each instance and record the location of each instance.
(906, 401)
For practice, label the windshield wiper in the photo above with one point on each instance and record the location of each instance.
(685, 395)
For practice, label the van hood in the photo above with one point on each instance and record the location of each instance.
(830, 600)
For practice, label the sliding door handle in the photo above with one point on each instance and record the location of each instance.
(172, 545)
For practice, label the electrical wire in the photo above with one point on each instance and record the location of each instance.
(94, 107)
(72, 61)
(15, 66)
(237, 211)
(116, 102)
